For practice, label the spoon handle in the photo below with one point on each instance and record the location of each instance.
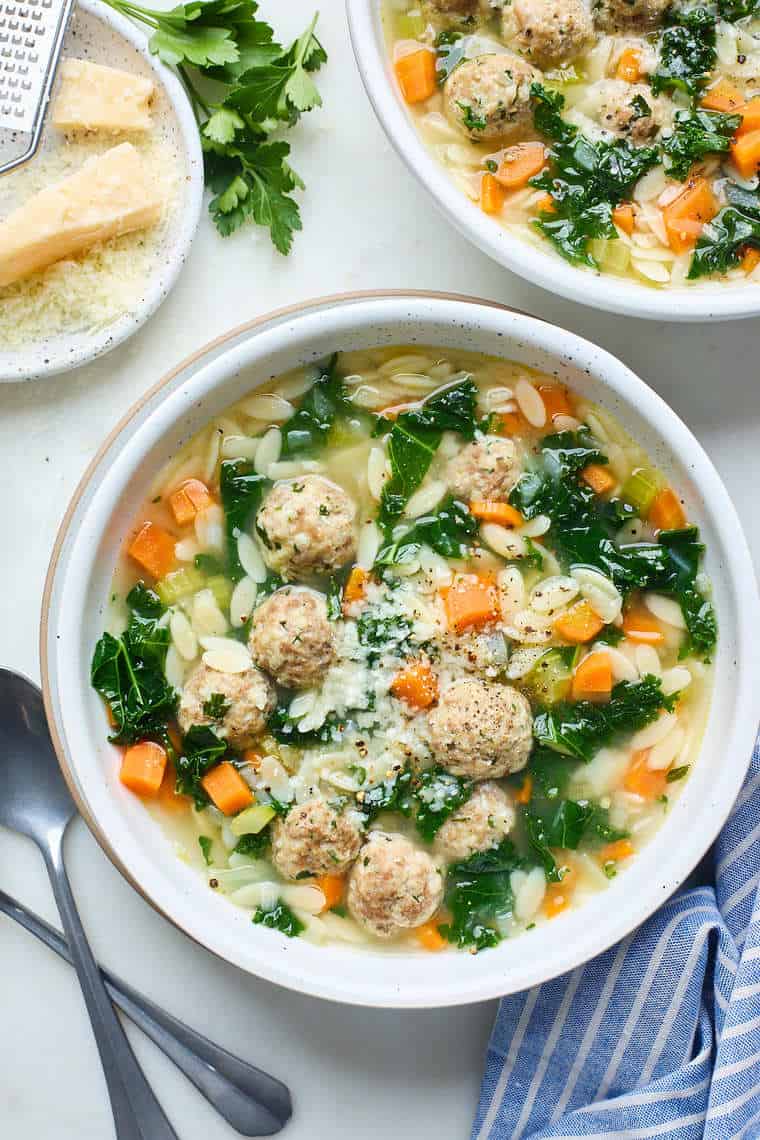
(251, 1101)
(136, 1112)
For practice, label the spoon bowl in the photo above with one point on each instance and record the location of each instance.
(35, 799)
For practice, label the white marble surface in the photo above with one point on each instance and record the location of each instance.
(353, 1072)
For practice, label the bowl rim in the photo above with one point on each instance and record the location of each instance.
(275, 967)
(29, 362)
(600, 291)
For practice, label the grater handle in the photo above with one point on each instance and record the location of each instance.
(50, 69)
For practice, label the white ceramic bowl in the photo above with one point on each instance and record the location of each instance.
(100, 34)
(711, 301)
(78, 588)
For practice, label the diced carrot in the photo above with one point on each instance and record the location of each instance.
(416, 75)
(470, 601)
(520, 163)
(598, 477)
(750, 113)
(188, 500)
(724, 96)
(494, 511)
(168, 798)
(153, 549)
(686, 215)
(509, 423)
(416, 684)
(355, 586)
(616, 852)
(592, 680)
(525, 791)
(643, 781)
(623, 217)
(556, 400)
(332, 887)
(750, 259)
(745, 151)
(666, 511)
(492, 194)
(629, 65)
(142, 768)
(642, 626)
(579, 624)
(545, 205)
(227, 789)
(429, 937)
(559, 895)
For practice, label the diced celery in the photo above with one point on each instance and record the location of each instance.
(410, 25)
(253, 820)
(221, 588)
(550, 678)
(641, 487)
(611, 254)
(179, 583)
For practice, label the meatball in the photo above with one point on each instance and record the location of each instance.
(552, 32)
(307, 527)
(248, 698)
(629, 110)
(314, 839)
(480, 729)
(393, 885)
(629, 15)
(489, 97)
(477, 825)
(487, 468)
(292, 637)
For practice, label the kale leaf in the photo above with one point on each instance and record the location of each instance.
(308, 428)
(687, 52)
(241, 490)
(279, 917)
(553, 823)
(580, 728)
(696, 134)
(391, 794)
(437, 793)
(586, 179)
(205, 844)
(128, 671)
(253, 844)
(733, 10)
(721, 243)
(450, 531)
(478, 890)
(414, 439)
(201, 750)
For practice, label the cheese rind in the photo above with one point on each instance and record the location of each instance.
(92, 97)
(108, 196)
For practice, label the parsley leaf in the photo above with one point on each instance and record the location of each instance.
(696, 134)
(253, 844)
(283, 88)
(253, 180)
(205, 845)
(216, 707)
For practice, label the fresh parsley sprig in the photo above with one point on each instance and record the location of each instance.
(259, 88)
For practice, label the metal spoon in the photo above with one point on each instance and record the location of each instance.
(254, 1103)
(36, 802)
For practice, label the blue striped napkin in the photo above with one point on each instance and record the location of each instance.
(659, 1036)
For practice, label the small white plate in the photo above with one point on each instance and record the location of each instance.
(99, 34)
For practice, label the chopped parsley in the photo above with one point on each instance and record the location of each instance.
(216, 707)
(471, 120)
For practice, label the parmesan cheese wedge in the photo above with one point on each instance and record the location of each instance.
(111, 194)
(96, 98)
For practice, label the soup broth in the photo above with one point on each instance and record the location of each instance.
(625, 137)
(409, 650)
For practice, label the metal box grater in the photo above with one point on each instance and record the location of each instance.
(31, 39)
